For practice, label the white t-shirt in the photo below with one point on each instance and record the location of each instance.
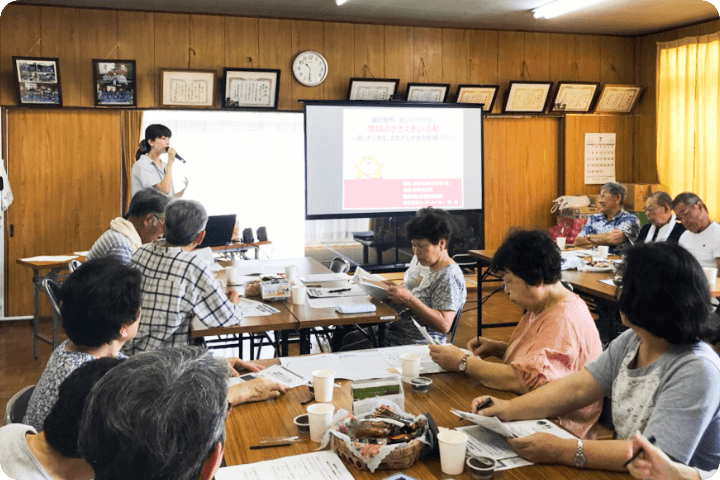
(705, 246)
(16, 459)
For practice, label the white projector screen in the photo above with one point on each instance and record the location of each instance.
(369, 159)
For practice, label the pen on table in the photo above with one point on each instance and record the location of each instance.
(640, 450)
(339, 290)
(487, 403)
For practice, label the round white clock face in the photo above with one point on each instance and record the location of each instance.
(310, 68)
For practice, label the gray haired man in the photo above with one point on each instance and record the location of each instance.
(178, 285)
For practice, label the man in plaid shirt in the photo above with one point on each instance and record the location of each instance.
(177, 284)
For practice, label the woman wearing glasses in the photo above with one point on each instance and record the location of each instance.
(662, 378)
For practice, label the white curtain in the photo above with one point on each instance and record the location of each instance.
(334, 231)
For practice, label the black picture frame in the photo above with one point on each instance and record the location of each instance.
(575, 97)
(427, 92)
(473, 94)
(527, 97)
(372, 89)
(251, 88)
(37, 81)
(115, 83)
(621, 99)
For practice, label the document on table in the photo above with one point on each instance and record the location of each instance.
(608, 281)
(276, 373)
(357, 365)
(392, 357)
(324, 465)
(50, 258)
(349, 290)
(485, 443)
(334, 302)
(253, 308)
(323, 277)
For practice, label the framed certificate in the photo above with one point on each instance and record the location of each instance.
(372, 89)
(427, 92)
(575, 97)
(484, 94)
(527, 97)
(618, 98)
(250, 88)
(188, 88)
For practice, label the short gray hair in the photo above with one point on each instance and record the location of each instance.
(662, 199)
(147, 200)
(184, 220)
(157, 415)
(689, 199)
(614, 188)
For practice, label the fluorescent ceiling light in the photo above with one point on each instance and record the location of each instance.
(559, 7)
(340, 2)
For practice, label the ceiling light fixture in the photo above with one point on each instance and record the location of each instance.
(559, 7)
(340, 2)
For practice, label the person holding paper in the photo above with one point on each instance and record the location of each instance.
(555, 337)
(653, 464)
(436, 300)
(662, 378)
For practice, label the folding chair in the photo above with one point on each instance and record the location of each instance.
(17, 405)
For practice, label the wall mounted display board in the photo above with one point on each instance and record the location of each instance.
(482, 94)
(188, 88)
(575, 97)
(37, 81)
(251, 88)
(527, 97)
(372, 89)
(114, 82)
(618, 98)
(427, 92)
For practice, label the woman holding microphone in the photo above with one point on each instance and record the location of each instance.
(148, 170)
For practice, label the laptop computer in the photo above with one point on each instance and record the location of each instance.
(218, 231)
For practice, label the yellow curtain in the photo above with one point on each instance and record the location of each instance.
(688, 103)
(131, 123)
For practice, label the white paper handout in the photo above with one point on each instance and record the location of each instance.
(424, 333)
(392, 357)
(371, 283)
(323, 277)
(276, 373)
(334, 302)
(253, 308)
(357, 365)
(349, 290)
(50, 258)
(324, 465)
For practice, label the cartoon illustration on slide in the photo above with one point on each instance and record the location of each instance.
(368, 168)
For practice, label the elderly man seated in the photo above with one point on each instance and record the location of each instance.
(613, 226)
(662, 223)
(702, 237)
(169, 424)
(143, 223)
(178, 285)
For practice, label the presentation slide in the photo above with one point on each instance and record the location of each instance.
(390, 158)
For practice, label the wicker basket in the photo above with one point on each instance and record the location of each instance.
(400, 458)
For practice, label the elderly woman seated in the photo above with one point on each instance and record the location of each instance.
(439, 296)
(662, 378)
(555, 337)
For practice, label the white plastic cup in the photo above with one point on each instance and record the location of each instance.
(320, 417)
(561, 242)
(230, 275)
(410, 365)
(603, 251)
(323, 384)
(291, 273)
(452, 451)
(298, 294)
(711, 275)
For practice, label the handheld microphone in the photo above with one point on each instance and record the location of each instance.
(177, 156)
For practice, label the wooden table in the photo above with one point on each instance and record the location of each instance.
(240, 247)
(299, 317)
(54, 269)
(247, 423)
(587, 283)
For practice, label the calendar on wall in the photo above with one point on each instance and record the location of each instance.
(599, 158)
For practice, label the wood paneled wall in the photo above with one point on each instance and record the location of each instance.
(645, 148)
(413, 54)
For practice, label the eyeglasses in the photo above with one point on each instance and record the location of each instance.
(159, 218)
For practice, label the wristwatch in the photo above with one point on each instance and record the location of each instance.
(463, 363)
(580, 455)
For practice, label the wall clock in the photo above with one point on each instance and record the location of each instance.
(310, 68)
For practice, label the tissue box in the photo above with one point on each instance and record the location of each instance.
(366, 392)
(275, 290)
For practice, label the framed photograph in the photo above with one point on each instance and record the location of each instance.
(618, 98)
(527, 97)
(484, 94)
(114, 83)
(427, 92)
(372, 89)
(251, 88)
(575, 97)
(38, 81)
(188, 88)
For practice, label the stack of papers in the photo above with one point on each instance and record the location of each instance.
(323, 465)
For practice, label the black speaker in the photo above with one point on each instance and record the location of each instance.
(262, 234)
(248, 236)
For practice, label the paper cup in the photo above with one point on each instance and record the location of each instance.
(711, 275)
(561, 242)
(230, 274)
(320, 416)
(291, 273)
(410, 365)
(452, 451)
(323, 384)
(298, 293)
(603, 251)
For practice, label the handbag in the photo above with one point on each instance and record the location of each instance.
(569, 201)
(568, 228)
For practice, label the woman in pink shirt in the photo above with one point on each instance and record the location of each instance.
(555, 337)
